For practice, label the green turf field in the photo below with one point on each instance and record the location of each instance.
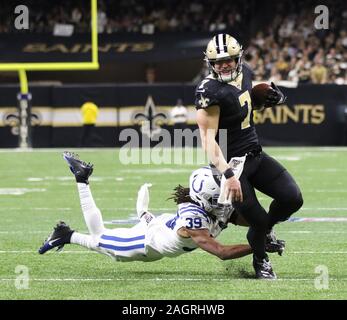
(37, 189)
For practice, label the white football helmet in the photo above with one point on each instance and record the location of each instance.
(203, 188)
(224, 47)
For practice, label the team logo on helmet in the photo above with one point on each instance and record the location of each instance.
(203, 189)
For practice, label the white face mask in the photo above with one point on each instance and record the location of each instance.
(227, 77)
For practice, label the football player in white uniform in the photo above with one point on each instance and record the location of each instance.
(196, 224)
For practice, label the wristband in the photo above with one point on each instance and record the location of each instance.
(228, 173)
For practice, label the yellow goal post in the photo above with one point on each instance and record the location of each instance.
(23, 67)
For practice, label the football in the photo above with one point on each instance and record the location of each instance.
(258, 95)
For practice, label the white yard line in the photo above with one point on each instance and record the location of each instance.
(173, 209)
(315, 219)
(326, 190)
(318, 252)
(287, 158)
(296, 252)
(85, 231)
(54, 150)
(23, 232)
(19, 191)
(154, 209)
(35, 252)
(197, 252)
(35, 209)
(155, 279)
(307, 231)
(81, 150)
(71, 178)
(324, 208)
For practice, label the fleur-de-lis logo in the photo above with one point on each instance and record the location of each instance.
(150, 120)
(12, 119)
(203, 101)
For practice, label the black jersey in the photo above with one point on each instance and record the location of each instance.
(236, 115)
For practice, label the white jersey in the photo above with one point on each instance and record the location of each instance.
(159, 238)
(163, 234)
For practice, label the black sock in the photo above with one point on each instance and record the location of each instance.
(256, 239)
(81, 180)
(67, 237)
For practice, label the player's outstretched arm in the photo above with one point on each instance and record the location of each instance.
(208, 120)
(225, 252)
(143, 199)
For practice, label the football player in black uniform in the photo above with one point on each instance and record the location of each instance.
(223, 101)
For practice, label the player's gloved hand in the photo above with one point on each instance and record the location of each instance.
(274, 96)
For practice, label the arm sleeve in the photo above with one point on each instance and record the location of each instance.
(143, 199)
(206, 95)
(203, 101)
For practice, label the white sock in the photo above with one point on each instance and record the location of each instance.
(84, 240)
(91, 213)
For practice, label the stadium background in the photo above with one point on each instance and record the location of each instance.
(150, 55)
(154, 49)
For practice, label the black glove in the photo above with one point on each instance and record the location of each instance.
(274, 96)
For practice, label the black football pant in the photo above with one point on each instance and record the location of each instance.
(265, 174)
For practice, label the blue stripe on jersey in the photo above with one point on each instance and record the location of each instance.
(105, 237)
(117, 248)
(172, 222)
(192, 206)
(193, 209)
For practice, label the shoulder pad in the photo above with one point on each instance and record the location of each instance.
(206, 93)
(247, 69)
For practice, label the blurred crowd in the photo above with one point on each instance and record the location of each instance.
(291, 49)
(288, 47)
(135, 16)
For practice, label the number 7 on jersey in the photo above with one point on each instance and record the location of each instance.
(245, 101)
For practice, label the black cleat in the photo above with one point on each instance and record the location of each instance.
(272, 244)
(81, 170)
(263, 269)
(274, 247)
(59, 237)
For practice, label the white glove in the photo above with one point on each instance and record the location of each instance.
(143, 199)
(237, 164)
(222, 199)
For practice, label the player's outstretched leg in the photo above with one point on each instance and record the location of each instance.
(60, 236)
(81, 170)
